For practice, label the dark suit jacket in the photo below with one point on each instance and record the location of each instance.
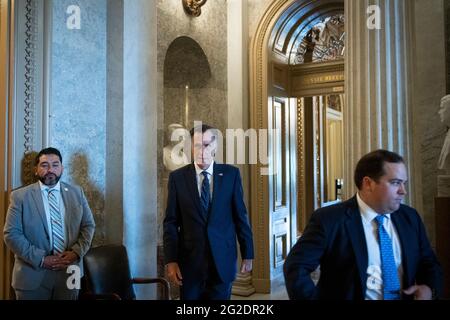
(188, 231)
(334, 238)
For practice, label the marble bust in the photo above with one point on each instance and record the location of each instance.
(444, 113)
(174, 156)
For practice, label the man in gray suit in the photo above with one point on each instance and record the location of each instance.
(49, 227)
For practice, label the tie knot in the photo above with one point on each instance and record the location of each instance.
(205, 174)
(380, 219)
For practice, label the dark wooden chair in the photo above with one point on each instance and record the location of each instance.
(108, 276)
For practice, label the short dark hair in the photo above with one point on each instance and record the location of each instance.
(47, 151)
(372, 165)
(203, 128)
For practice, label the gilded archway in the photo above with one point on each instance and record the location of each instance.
(271, 38)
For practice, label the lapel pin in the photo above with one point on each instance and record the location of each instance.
(221, 174)
(65, 189)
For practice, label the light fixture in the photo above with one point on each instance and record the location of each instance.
(193, 7)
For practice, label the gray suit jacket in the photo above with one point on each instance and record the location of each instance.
(26, 232)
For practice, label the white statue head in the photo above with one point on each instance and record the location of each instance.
(444, 111)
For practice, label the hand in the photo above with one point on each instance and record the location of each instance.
(53, 263)
(68, 257)
(247, 265)
(421, 292)
(174, 273)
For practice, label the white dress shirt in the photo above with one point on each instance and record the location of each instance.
(374, 280)
(200, 178)
(44, 193)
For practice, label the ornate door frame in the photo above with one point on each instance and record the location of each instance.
(259, 119)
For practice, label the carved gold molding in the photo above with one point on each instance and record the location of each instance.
(259, 184)
(30, 74)
(322, 79)
(193, 7)
(260, 82)
(301, 208)
(317, 105)
(311, 79)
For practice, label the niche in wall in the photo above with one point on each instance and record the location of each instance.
(187, 75)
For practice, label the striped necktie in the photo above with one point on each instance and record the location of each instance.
(56, 222)
(391, 283)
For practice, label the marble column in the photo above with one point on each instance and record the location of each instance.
(237, 25)
(378, 83)
(114, 124)
(140, 143)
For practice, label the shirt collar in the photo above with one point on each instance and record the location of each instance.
(367, 212)
(46, 188)
(199, 171)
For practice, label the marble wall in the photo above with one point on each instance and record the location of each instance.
(429, 88)
(208, 98)
(447, 45)
(256, 10)
(78, 100)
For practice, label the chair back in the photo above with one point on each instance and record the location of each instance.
(108, 272)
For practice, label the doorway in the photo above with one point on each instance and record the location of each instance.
(297, 86)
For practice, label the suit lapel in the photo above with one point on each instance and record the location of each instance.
(192, 186)
(217, 185)
(405, 236)
(355, 231)
(68, 209)
(37, 197)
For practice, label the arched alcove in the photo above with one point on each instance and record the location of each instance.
(187, 76)
(190, 94)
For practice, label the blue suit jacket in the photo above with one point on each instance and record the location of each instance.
(188, 231)
(334, 238)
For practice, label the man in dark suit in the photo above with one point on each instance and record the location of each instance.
(49, 227)
(370, 247)
(205, 212)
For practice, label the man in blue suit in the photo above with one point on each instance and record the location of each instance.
(205, 212)
(370, 247)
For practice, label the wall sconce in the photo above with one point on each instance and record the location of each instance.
(193, 7)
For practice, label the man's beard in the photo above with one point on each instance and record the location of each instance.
(50, 179)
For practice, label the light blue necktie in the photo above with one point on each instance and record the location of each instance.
(205, 194)
(56, 222)
(391, 283)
